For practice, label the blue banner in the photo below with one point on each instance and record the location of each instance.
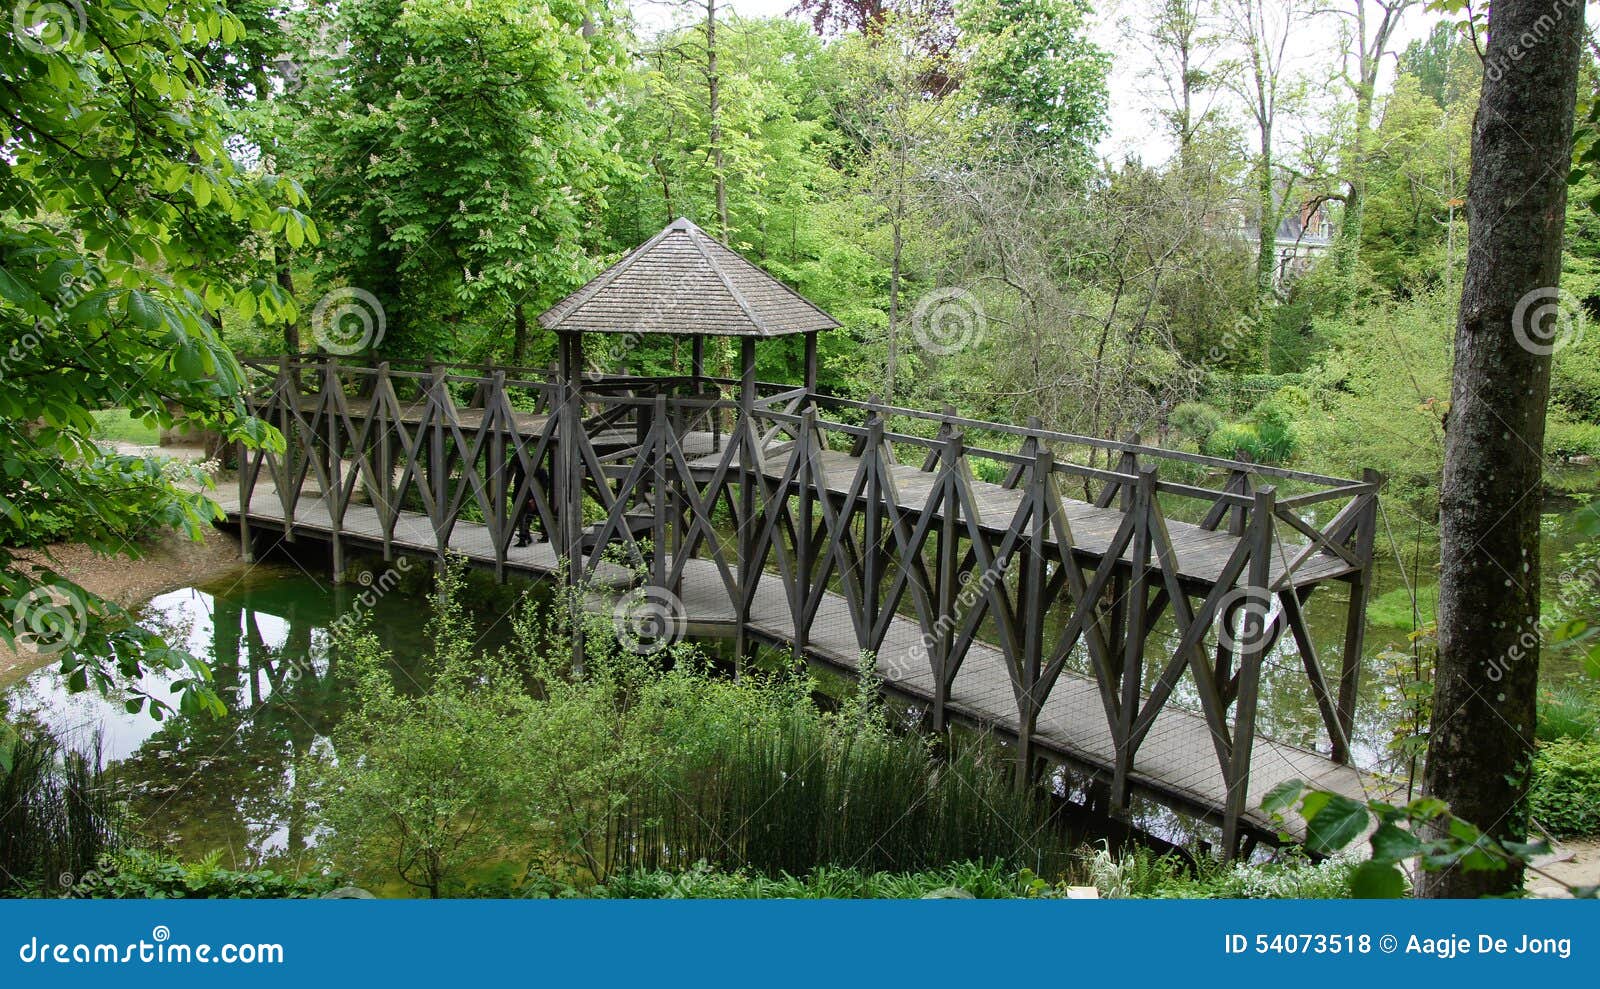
(786, 942)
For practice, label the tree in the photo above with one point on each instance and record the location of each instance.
(1510, 321)
(1263, 30)
(1033, 61)
(1369, 28)
(115, 177)
(1185, 51)
(463, 149)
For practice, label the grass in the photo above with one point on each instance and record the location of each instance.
(57, 815)
(1569, 710)
(1392, 609)
(117, 426)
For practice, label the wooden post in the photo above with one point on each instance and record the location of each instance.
(571, 439)
(749, 464)
(504, 523)
(246, 489)
(806, 481)
(334, 496)
(438, 470)
(699, 360)
(1355, 628)
(1031, 589)
(288, 392)
(1251, 654)
(946, 580)
(384, 430)
(1141, 501)
(872, 524)
(811, 363)
(661, 439)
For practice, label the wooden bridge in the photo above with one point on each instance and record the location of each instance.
(1005, 576)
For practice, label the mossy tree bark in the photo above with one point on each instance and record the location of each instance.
(1484, 701)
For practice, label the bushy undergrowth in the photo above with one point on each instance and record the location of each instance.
(1141, 874)
(984, 882)
(648, 763)
(144, 875)
(1564, 794)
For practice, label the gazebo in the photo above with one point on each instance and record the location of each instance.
(684, 282)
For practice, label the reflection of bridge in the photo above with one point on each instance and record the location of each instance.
(1025, 603)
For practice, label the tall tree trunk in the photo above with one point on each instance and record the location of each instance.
(1266, 251)
(714, 105)
(1483, 706)
(519, 340)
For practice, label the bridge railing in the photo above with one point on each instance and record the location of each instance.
(942, 535)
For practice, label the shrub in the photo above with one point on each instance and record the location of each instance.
(701, 882)
(143, 875)
(1565, 438)
(643, 763)
(1140, 874)
(1564, 795)
(1195, 421)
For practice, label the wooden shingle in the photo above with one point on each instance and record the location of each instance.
(683, 281)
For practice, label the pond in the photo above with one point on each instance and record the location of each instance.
(229, 785)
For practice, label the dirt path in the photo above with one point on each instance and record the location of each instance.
(1575, 863)
(169, 562)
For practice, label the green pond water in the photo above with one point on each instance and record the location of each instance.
(228, 785)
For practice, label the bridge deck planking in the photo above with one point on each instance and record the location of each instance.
(1176, 760)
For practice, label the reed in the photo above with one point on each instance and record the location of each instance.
(57, 815)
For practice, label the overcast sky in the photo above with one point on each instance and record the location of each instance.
(1134, 128)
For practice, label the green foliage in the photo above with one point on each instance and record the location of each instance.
(1422, 832)
(510, 765)
(1268, 436)
(1569, 710)
(117, 190)
(1139, 873)
(459, 151)
(57, 814)
(135, 874)
(1564, 791)
(1395, 608)
(1034, 60)
(1195, 421)
(700, 882)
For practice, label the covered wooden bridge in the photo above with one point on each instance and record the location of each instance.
(1063, 604)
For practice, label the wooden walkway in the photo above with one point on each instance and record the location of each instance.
(1026, 603)
(1175, 763)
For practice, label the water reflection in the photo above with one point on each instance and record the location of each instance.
(229, 784)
